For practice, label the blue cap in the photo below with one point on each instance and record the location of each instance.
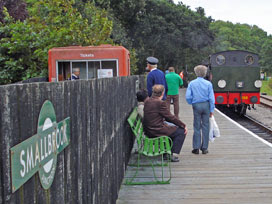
(152, 60)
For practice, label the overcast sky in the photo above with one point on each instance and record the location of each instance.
(252, 12)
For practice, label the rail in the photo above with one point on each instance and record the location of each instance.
(266, 100)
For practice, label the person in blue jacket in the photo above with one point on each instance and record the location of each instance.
(155, 76)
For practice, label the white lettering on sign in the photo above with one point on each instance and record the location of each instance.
(37, 155)
(42, 157)
(58, 136)
(29, 160)
(22, 172)
(45, 153)
(86, 55)
(48, 145)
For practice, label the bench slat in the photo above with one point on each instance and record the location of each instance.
(156, 148)
(162, 145)
(146, 145)
(150, 148)
(168, 146)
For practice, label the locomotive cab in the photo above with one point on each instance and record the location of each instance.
(236, 79)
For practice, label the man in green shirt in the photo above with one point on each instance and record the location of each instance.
(173, 82)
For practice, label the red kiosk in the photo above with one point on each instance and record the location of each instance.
(92, 61)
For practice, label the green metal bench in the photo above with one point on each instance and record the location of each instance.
(149, 147)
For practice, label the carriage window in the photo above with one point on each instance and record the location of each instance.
(249, 60)
(220, 59)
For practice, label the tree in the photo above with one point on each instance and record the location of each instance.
(16, 9)
(127, 12)
(170, 32)
(231, 36)
(51, 23)
(266, 56)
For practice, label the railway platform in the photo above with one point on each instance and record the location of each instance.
(237, 169)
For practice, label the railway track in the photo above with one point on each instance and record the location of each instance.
(250, 124)
(266, 100)
(256, 127)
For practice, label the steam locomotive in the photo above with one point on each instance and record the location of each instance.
(235, 76)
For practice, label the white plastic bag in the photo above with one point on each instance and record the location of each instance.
(214, 130)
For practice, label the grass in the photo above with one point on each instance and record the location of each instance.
(266, 89)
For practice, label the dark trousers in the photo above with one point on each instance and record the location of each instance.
(178, 138)
(175, 99)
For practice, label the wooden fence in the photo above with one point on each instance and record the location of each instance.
(91, 168)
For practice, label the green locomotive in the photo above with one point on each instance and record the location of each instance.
(235, 76)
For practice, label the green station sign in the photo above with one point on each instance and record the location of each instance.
(39, 152)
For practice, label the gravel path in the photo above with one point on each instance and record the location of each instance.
(261, 114)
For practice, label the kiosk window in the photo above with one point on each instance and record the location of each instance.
(93, 66)
(82, 68)
(63, 71)
(87, 69)
(110, 65)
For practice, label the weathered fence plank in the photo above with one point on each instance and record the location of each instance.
(92, 166)
(10, 134)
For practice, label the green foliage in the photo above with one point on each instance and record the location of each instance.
(266, 88)
(231, 36)
(270, 83)
(266, 56)
(174, 34)
(51, 23)
(133, 62)
(15, 51)
(126, 12)
(170, 32)
(16, 9)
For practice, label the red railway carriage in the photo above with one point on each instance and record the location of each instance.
(90, 62)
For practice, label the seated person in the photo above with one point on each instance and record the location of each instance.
(142, 95)
(76, 73)
(155, 115)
